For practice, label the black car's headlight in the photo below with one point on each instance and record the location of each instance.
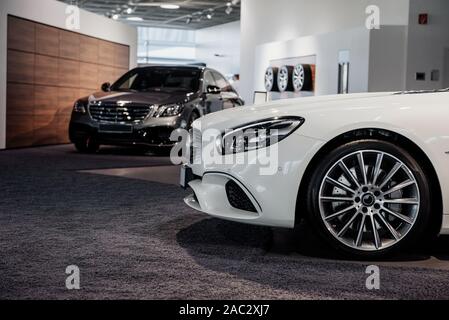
(169, 110)
(79, 107)
(260, 134)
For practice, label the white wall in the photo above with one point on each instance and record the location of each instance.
(52, 12)
(264, 21)
(388, 59)
(224, 41)
(427, 43)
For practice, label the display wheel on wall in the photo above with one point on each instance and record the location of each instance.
(284, 78)
(302, 78)
(271, 76)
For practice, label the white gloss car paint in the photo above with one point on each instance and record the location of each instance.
(421, 118)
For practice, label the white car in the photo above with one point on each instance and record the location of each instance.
(370, 172)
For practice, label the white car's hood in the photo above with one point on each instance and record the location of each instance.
(232, 118)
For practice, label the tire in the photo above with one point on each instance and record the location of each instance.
(302, 78)
(271, 76)
(374, 202)
(284, 80)
(87, 145)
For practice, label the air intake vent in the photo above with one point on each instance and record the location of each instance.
(238, 198)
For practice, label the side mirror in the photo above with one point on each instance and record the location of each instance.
(213, 90)
(106, 87)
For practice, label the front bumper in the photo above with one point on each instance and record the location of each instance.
(272, 189)
(155, 132)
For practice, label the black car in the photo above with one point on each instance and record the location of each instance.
(146, 104)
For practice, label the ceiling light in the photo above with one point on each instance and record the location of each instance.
(129, 10)
(115, 16)
(229, 10)
(189, 20)
(235, 2)
(170, 6)
(134, 19)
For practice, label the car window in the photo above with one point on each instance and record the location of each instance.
(209, 80)
(159, 79)
(222, 83)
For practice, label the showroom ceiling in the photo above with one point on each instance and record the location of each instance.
(186, 14)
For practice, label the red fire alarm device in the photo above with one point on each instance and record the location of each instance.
(423, 19)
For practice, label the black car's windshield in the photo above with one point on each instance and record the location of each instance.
(159, 79)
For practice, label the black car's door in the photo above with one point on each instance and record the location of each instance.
(213, 101)
(229, 96)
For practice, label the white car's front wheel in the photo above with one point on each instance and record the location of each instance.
(368, 198)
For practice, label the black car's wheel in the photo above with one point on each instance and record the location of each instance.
(271, 76)
(87, 145)
(369, 198)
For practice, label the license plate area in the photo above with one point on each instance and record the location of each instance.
(115, 128)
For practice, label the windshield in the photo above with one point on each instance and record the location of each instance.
(159, 79)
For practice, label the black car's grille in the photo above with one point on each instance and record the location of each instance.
(112, 113)
(238, 198)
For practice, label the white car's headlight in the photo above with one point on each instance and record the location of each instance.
(260, 134)
(169, 110)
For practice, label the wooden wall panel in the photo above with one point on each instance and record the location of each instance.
(45, 130)
(89, 76)
(62, 128)
(69, 45)
(48, 70)
(89, 49)
(106, 74)
(66, 100)
(19, 131)
(45, 101)
(106, 53)
(21, 34)
(47, 40)
(20, 67)
(69, 73)
(20, 99)
(121, 56)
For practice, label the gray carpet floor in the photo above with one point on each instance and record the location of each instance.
(135, 239)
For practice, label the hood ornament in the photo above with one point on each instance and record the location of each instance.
(122, 103)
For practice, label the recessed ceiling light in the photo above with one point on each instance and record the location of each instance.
(134, 19)
(170, 6)
(129, 10)
(115, 16)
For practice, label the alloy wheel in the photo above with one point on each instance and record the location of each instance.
(270, 79)
(283, 78)
(369, 200)
(298, 77)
